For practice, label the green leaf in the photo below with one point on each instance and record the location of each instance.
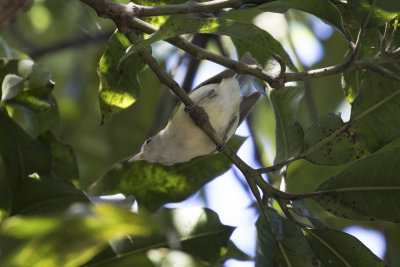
(252, 36)
(289, 133)
(32, 88)
(263, 123)
(388, 5)
(379, 16)
(367, 190)
(351, 84)
(169, 258)
(334, 152)
(64, 163)
(12, 86)
(44, 195)
(375, 115)
(233, 252)
(154, 184)
(392, 236)
(160, 20)
(293, 249)
(6, 195)
(119, 85)
(161, 257)
(68, 240)
(197, 231)
(322, 9)
(301, 208)
(37, 123)
(335, 248)
(21, 155)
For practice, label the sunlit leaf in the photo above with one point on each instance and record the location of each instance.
(26, 83)
(68, 240)
(351, 84)
(336, 248)
(12, 86)
(367, 190)
(292, 249)
(159, 20)
(375, 115)
(119, 85)
(154, 184)
(289, 133)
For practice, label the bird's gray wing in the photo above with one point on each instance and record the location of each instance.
(217, 78)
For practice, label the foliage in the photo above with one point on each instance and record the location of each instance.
(336, 172)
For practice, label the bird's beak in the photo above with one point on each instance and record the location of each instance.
(138, 156)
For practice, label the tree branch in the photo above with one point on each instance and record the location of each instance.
(200, 118)
(125, 17)
(70, 43)
(188, 7)
(126, 20)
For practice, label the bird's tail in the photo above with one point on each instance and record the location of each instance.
(243, 79)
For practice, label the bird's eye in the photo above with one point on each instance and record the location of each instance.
(148, 141)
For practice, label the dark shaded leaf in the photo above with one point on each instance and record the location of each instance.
(392, 236)
(375, 115)
(44, 195)
(21, 155)
(197, 231)
(335, 151)
(233, 252)
(154, 184)
(6, 194)
(300, 208)
(293, 249)
(379, 16)
(119, 85)
(289, 133)
(388, 5)
(367, 190)
(336, 248)
(63, 163)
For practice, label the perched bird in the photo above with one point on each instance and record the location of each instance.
(181, 140)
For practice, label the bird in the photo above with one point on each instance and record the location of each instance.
(220, 96)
